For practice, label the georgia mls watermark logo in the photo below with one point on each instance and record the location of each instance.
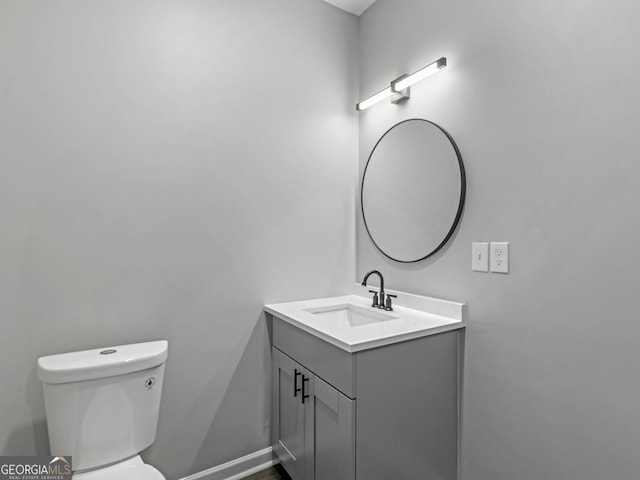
(35, 468)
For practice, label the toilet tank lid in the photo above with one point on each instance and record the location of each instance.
(101, 362)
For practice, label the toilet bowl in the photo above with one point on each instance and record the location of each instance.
(102, 408)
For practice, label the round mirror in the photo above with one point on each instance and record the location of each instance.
(413, 190)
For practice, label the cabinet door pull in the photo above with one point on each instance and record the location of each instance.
(304, 381)
(296, 389)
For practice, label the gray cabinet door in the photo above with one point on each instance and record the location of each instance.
(287, 414)
(329, 432)
(314, 437)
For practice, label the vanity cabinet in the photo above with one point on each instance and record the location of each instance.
(385, 412)
(313, 424)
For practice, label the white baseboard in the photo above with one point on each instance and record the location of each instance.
(238, 468)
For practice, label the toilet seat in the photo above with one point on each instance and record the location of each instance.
(132, 469)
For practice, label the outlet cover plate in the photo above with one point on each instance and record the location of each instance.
(500, 257)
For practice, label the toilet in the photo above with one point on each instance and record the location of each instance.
(102, 408)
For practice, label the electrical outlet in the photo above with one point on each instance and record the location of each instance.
(480, 256)
(500, 257)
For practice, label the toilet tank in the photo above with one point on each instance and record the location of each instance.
(102, 405)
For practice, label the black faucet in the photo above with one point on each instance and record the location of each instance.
(376, 302)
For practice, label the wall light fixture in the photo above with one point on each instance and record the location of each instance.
(399, 89)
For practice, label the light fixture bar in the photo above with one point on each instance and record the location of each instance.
(373, 99)
(415, 77)
(399, 88)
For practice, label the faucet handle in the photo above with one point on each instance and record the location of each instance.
(388, 305)
(375, 298)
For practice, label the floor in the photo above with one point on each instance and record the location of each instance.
(273, 473)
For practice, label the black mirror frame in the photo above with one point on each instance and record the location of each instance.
(463, 190)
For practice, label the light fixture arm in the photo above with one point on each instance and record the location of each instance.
(400, 95)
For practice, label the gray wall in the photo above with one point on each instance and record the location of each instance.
(542, 98)
(166, 168)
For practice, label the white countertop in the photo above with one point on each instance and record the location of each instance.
(407, 324)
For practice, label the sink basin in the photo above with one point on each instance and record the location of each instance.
(351, 315)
